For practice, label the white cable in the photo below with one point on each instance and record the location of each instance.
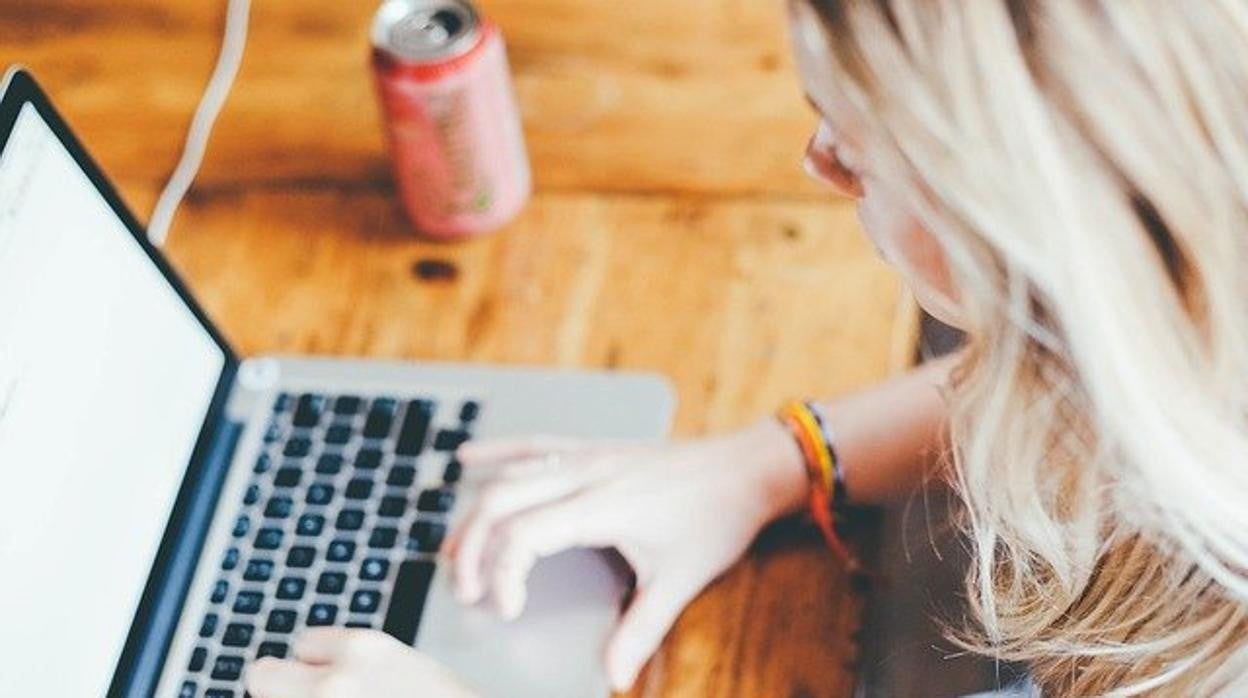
(228, 62)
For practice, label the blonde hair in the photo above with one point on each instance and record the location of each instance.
(1083, 166)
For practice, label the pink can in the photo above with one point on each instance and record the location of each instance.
(460, 164)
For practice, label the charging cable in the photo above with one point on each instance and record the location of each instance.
(228, 62)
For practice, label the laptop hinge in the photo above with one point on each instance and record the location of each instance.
(145, 669)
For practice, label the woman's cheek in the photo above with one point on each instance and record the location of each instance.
(912, 250)
(882, 223)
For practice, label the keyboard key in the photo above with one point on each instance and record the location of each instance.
(401, 476)
(187, 689)
(263, 463)
(454, 471)
(383, 538)
(287, 476)
(241, 526)
(322, 614)
(230, 561)
(252, 495)
(297, 447)
(300, 556)
(273, 648)
(340, 551)
(273, 434)
(219, 591)
(283, 402)
(350, 520)
(415, 429)
(218, 693)
(238, 635)
(199, 657)
(320, 493)
(439, 500)
(365, 601)
(227, 668)
(359, 488)
(347, 405)
(248, 602)
(338, 434)
(269, 539)
(258, 571)
(468, 411)
(374, 569)
(308, 410)
(368, 459)
(310, 525)
(291, 588)
(278, 507)
(281, 620)
(329, 464)
(428, 535)
(392, 507)
(208, 628)
(407, 602)
(449, 439)
(380, 420)
(331, 583)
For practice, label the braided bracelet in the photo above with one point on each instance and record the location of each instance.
(840, 499)
(823, 471)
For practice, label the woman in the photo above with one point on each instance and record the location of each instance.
(1068, 183)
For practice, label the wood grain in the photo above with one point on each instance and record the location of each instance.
(617, 96)
(672, 231)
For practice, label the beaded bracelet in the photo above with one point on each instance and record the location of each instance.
(824, 473)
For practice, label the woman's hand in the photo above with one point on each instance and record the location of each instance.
(679, 513)
(341, 663)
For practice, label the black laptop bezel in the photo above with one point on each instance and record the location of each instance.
(153, 626)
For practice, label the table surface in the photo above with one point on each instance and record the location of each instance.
(672, 230)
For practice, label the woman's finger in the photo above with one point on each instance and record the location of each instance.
(321, 645)
(282, 678)
(492, 451)
(529, 536)
(467, 543)
(644, 625)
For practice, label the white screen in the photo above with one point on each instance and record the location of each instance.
(105, 379)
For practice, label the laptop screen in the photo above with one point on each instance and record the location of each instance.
(106, 377)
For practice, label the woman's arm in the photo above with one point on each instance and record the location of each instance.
(889, 437)
(679, 512)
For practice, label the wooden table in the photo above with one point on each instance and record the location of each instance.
(672, 230)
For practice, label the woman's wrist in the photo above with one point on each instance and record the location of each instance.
(776, 470)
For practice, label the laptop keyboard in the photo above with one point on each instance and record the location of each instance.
(334, 528)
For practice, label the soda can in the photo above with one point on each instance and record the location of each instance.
(460, 164)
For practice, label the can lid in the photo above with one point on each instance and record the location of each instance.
(419, 31)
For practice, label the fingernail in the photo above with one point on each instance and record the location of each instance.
(620, 677)
(613, 677)
(515, 606)
(467, 593)
(255, 673)
(621, 682)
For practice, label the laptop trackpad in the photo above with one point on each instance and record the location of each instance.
(554, 649)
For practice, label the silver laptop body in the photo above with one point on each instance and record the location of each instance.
(317, 490)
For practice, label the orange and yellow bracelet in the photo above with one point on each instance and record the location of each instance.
(823, 471)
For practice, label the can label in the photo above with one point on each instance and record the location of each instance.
(460, 163)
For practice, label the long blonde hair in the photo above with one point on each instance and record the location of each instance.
(1084, 167)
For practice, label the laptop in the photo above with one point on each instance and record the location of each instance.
(172, 511)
